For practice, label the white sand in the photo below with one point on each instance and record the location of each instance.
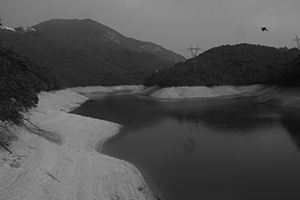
(199, 91)
(174, 92)
(277, 96)
(280, 96)
(72, 169)
(108, 89)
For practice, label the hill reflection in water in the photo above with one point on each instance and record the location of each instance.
(291, 121)
(131, 111)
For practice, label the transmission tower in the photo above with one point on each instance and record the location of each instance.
(194, 51)
(298, 41)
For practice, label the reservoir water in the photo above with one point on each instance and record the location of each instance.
(214, 149)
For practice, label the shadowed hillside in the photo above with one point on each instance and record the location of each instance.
(85, 52)
(241, 64)
(20, 81)
(291, 76)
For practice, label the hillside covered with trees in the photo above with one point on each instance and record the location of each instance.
(20, 81)
(290, 77)
(241, 64)
(85, 52)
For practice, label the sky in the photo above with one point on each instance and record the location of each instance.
(173, 24)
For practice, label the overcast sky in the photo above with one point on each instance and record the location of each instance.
(174, 24)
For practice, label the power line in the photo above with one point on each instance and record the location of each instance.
(194, 50)
(298, 41)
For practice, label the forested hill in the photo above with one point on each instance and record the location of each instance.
(85, 52)
(290, 76)
(20, 81)
(241, 64)
(89, 31)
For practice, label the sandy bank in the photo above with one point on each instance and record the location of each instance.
(280, 96)
(59, 161)
(107, 89)
(277, 96)
(198, 91)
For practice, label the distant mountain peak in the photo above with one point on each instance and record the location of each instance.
(84, 52)
(92, 31)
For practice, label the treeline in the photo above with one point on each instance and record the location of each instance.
(241, 64)
(20, 81)
(290, 77)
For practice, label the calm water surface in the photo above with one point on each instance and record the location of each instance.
(229, 149)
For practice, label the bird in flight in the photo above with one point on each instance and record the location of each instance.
(264, 28)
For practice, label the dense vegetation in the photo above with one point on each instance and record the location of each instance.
(241, 64)
(85, 52)
(290, 76)
(20, 81)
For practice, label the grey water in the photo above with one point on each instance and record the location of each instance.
(227, 149)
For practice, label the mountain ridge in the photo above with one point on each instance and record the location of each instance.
(107, 34)
(86, 53)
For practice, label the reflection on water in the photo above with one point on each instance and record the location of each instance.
(291, 121)
(188, 143)
(227, 115)
(205, 149)
(127, 110)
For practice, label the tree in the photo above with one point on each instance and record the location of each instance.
(18, 91)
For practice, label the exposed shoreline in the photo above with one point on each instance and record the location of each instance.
(62, 162)
(280, 96)
(272, 95)
(199, 92)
